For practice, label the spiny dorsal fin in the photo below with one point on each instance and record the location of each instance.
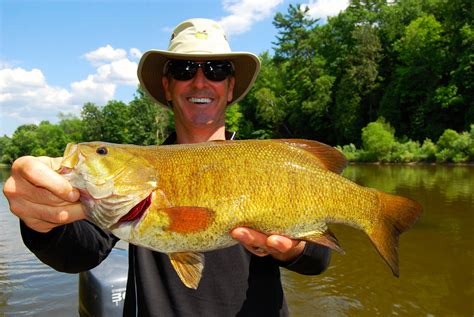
(329, 157)
(188, 266)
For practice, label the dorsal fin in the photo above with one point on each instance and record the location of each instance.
(329, 157)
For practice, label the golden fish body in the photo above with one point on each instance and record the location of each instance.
(192, 196)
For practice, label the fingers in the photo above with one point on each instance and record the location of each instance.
(280, 247)
(43, 218)
(39, 172)
(20, 187)
(58, 215)
(48, 218)
(39, 196)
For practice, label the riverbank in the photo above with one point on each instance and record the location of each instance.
(414, 163)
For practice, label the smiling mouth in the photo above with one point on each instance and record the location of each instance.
(200, 101)
(137, 212)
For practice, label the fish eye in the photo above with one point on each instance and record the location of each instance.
(102, 150)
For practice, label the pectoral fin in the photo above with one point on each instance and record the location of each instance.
(326, 238)
(188, 266)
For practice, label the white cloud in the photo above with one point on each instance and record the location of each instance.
(322, 9)
(105, 54)
(113, 66)
(18, 78)
(26, 96)
(89, 90)
(244, 13)
(6, 63)
(20, 88)
(121, 72)
(135, 53)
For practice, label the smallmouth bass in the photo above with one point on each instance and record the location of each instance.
(185, 199)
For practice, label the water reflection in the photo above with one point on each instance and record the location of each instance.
(27, 286)
(436, 258)
(452, 183)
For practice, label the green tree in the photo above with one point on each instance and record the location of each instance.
(418, 73)
(455, 147)
(93, 122)
(149, 123)
(354, 106)
(72, 127)
(307, 85)
(378, 138)
(51, 140)
(259, 112)
(5, 143)
(24, 141)
(116, 116)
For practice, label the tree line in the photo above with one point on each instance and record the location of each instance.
(402, 69)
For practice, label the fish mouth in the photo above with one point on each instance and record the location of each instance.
(137, 212)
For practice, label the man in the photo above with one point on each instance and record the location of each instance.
(198, 77)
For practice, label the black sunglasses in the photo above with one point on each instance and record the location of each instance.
(185, 70)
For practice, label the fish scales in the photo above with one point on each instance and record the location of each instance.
(200, 192)
(289, 199)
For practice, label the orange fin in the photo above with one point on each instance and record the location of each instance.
(188, 266)
(397, 215)
(329, 157)
(325, 238)
(187, 219)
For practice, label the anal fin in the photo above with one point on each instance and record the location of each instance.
(188, 266)
(326, 238)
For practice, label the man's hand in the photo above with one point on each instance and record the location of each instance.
(279, 247)
(39, 196)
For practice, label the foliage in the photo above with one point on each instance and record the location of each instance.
(140, 122)
(455, 147)
(408, 61)
(380, 145)
(378, 138)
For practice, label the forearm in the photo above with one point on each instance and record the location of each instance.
(71, 248)
(313, 261)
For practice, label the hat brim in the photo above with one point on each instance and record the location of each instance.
(152, 63)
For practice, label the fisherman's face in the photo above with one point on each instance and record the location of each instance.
(199, 102)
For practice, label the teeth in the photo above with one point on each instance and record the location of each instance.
(200, 100)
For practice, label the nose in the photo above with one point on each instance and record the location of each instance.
(199, 80)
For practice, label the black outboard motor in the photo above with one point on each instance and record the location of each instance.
(102, 289)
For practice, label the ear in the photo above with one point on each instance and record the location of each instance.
(166, 86)
(230, 91)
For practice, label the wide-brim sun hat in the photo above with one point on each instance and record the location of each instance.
(197, 39)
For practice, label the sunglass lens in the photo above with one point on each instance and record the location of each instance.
(213, 70)
(217, 70)
(182, 70)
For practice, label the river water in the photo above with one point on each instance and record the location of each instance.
(436, 258)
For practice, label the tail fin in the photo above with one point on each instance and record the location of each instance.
(397, 215)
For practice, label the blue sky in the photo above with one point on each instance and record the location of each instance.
(56, 55)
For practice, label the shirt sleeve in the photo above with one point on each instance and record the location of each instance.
(72, 248)
(312, 261)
